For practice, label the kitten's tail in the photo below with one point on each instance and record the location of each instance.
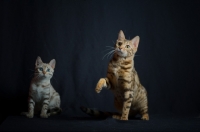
(97, 113)
(55, 111)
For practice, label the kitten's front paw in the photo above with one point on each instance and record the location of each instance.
(118, 117)
(42, 115)
(29, 115)
(100, 85)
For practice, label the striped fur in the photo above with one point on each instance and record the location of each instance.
(42, 96)
(130, 97)
(95, 113)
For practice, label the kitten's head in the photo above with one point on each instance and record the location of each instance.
(124, 47)
(44, 70)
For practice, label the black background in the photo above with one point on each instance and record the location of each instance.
(76, 32)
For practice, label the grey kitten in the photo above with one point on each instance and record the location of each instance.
(42, 95)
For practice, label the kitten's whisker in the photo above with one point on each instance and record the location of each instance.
(37, 76)
(110, 54)
(110, 47)
(107, 54)
(104, 56)
(106, 50)
(31, 75)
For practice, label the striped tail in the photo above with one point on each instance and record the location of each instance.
(97, 113)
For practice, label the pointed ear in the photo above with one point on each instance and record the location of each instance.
(135, 42)
(121, 35)
(52, 63)
(38, 61)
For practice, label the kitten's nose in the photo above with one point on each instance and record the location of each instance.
(120, 48)
(44, 72)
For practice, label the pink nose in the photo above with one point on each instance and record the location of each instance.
(44, 72)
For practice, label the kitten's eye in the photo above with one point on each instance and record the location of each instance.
(127, 46)
(41, 69)
(48, 70)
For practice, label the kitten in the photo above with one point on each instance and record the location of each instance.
(130, 97)
(42, 96)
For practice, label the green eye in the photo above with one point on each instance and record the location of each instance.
(48, 70)
(41, 69)
(127, 46)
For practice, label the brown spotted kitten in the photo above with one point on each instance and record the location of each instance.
(130, 97)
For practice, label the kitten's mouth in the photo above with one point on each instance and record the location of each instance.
(118, 50)
(121, 53)
(44, 75)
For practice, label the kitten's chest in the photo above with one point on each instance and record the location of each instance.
(38, 92)
(120, 75)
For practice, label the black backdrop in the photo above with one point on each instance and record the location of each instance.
(76, 32)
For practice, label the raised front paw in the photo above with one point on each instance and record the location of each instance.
(44, 115)
(100, 85)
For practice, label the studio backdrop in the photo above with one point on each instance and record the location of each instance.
(76, 32)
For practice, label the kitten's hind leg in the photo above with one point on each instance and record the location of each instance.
(144, 114)
(144, 109)
(54, 105)
(118, 117)
(103, 82)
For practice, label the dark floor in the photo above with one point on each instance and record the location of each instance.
(63, 123)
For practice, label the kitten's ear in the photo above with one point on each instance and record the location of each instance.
(135, 42)
(38, 61)
(52, 63)
(121, 35)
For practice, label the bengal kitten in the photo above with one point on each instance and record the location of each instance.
(42, 96)
(130, 97)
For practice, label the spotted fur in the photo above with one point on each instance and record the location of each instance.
(130, 97)
(42, 95)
